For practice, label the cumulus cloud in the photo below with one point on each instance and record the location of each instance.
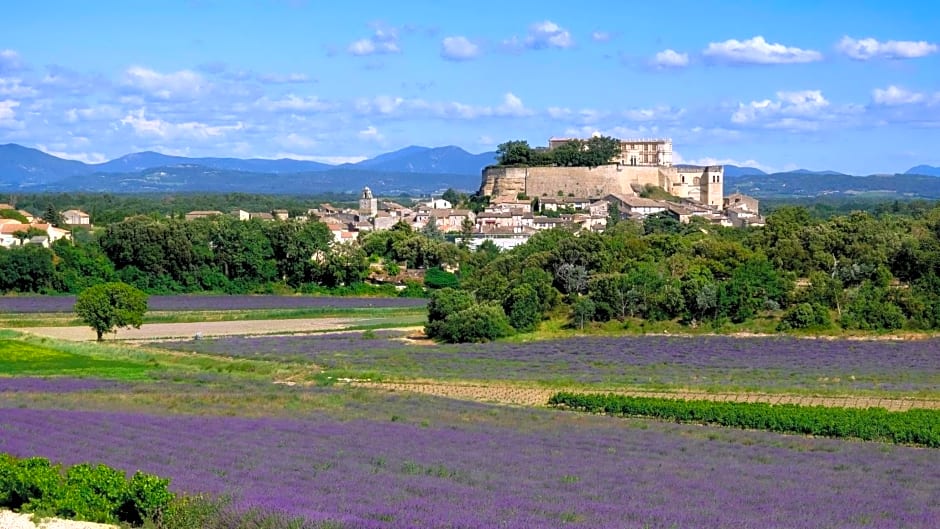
(8, 114)
(184, 84)
(459, 49)
(370, 133)
(801, 110)
(670, 59)
(95, 113)
(290, 78)
(293, 103)
(542, 35)
(678, 159)
(383, 40)
(758, 51)
(601, 36)
(511, 106)
(659, 113)
(896, 95)
(869, 48)
(85, 157)
(10, 61)
(13, 87)
(158, 128)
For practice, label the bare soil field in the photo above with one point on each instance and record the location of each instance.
(521, 396)
(157, 331)
(12, 520)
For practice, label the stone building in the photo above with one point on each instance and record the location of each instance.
(368, 204)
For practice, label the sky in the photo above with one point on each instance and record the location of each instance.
(852, 86)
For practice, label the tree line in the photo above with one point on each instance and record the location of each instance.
(856, 271)
(598, 150)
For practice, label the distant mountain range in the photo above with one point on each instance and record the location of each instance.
(412, 170)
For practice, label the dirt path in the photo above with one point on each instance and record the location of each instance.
(520, 396)
(153, 331)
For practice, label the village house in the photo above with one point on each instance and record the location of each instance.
(76, 217)
(193, 215)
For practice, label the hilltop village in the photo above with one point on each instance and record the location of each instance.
(527, 191)
(519, 200)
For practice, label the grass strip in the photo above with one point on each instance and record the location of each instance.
(915, 427)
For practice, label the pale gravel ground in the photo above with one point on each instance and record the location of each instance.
(152, 331)
(12, 520)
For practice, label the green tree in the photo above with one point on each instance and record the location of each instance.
(52, 216)
(109, 306)
(522, 307)
(582, 311)
(513, 153)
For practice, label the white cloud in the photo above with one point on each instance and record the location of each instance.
(601, 36)
(895, 95)
(383, 40)
(184, 84)
(677, 159)
(670, 59)
(802, 110)
(659, 113)
(10, 61)
(333, 160)
(459, 49)
(542, 35)
(99, 112)
(159, 128)
(390, 106)
(86, 157)
(298, 141)
(370, 133)
(869, 48)
(293, 103)
(758, 51)
(291, 78)
(8, 114)
(13, 87)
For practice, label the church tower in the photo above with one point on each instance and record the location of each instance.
(368, 204)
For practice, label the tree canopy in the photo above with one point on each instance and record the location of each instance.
(110, 306)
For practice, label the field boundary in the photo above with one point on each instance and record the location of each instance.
(524, 396)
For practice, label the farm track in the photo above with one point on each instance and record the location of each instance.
(155, 331)
(521, 396)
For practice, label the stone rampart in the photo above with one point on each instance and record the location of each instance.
(509, 182)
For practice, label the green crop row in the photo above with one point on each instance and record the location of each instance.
(82, 492)
(916, 426)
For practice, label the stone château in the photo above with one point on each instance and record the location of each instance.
(639, 163)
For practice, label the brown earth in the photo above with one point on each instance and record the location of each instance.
(156, 331)
(522, 396)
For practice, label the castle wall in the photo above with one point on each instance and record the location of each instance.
(508, 182)
(704, 184)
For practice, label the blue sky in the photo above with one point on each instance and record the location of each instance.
(849, 86)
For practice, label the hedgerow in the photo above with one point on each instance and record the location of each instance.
(916, 426)
(83, 492)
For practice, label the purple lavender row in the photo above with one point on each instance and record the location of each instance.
(55, 385)
(25, 304)
(886, 365)
(554, 470)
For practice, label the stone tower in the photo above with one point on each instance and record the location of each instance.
(368, 204)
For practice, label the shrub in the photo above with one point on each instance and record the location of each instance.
(477, 324)
(85, 492)
(805, 316)
(439, 278)
(443, 303)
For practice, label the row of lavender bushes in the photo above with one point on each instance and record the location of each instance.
(916, 427)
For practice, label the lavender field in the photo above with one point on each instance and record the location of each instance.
(435, 463)
(702, 361)
(37, 304)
